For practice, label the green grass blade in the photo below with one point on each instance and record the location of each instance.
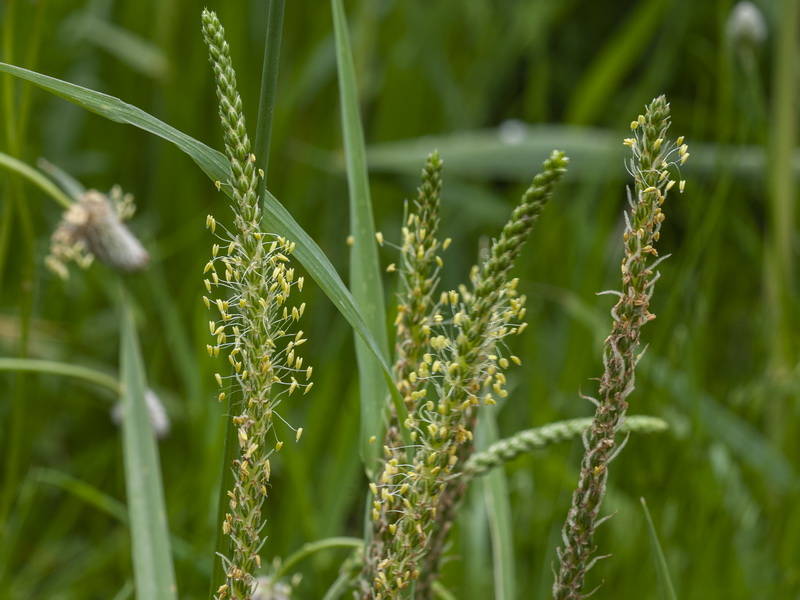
(71, 186)
(125, 592)
(668, 590)
(614, 62)
(216, 166)
(365, 275)
(338, 588)
(84, 491)
(498, 508)
(780, 252)
(213, 163)
(152, 558)
(269, 86)
(442, 592)
(132, 50)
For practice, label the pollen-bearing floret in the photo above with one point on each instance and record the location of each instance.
(249, 280)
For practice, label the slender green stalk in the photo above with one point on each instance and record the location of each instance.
(497, 500)
(311, 548)
(57, 368)
(779, 257)
(17, 220)
(20, 168)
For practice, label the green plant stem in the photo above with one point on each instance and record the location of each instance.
(307, 550)
(57, 368)
(17, 166)
(222, 541)
(34, 45)
(442, 592)
(779, 265)
(338, 587)
(9, 106)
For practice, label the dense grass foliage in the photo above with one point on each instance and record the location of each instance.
(494, 86)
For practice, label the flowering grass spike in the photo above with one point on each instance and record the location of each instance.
(451, 360)
(251, 270)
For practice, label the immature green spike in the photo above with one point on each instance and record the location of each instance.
(419, 275)
(237, 144)
(529, 440)
(493, 274)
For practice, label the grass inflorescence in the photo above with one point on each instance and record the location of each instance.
(653, 157)
(253, 271)
(451, 360)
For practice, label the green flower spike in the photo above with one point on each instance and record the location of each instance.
(252, 269)
(449, 359)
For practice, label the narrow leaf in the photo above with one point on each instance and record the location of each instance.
(213, 163)
(216, 166)
(498, 509)
(668, 590)
(84, 491)
(366, 282)
(269, 86)
(152, 558)
(36, 178)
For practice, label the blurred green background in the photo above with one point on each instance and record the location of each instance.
(494, 86)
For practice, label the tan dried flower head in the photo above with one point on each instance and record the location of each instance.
(93, 226)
